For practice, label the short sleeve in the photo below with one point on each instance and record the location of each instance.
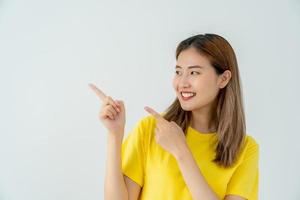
(245, 179)
(134, 153)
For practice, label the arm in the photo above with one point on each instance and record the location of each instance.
(234, 197)
(193, 177)
(133, 188)
(117, 185)
(195, 180)
(112, 115)
(114, 187)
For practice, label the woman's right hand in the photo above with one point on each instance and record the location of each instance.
(112, 113)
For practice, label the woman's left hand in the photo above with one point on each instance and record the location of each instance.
(168, 134)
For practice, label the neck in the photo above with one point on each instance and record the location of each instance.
(203, 120)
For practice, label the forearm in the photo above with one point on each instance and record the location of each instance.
(115, 188)
(193, 177)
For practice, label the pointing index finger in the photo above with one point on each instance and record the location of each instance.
(154, 113)
(98, 92)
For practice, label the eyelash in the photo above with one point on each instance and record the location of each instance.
(176, 72)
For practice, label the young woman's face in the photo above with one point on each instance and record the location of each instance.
(195, 75)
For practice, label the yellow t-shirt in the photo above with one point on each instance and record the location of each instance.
(157, 172)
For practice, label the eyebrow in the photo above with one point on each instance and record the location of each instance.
(190, 67)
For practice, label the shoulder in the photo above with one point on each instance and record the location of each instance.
(251, 142)
(144, 126)
(148, 121)
(251, 146)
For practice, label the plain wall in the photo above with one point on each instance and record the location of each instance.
(52, 144)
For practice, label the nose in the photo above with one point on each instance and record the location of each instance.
(184, 81)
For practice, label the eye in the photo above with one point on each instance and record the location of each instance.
(177, 72)
(195, 72)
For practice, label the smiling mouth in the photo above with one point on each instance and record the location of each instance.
(187, 95)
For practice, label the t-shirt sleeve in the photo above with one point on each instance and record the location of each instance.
(244, 181)
(134, 153)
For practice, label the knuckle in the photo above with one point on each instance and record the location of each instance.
(105, 103)
(113, 111)
(110, 98)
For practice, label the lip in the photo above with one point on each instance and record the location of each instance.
(186, 98)
(187, 91)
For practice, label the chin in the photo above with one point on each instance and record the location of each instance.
(187, 107)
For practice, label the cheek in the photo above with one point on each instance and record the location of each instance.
(207, 89)
(175, 84)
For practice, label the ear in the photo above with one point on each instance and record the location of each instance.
(224, 79)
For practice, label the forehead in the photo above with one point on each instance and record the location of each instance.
(191, 57)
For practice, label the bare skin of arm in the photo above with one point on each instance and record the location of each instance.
(117, 185)
(171, 137)
(133, 188)
(112, 115)
(114, 186)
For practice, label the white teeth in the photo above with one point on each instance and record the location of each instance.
(187, 94)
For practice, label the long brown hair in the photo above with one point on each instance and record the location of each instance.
(229, 113)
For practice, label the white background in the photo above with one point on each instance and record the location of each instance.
(52, 145)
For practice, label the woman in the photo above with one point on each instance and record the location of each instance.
(198, 148)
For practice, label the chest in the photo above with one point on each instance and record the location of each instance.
(164, 174)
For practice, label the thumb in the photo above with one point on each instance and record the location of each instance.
(120, 103)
